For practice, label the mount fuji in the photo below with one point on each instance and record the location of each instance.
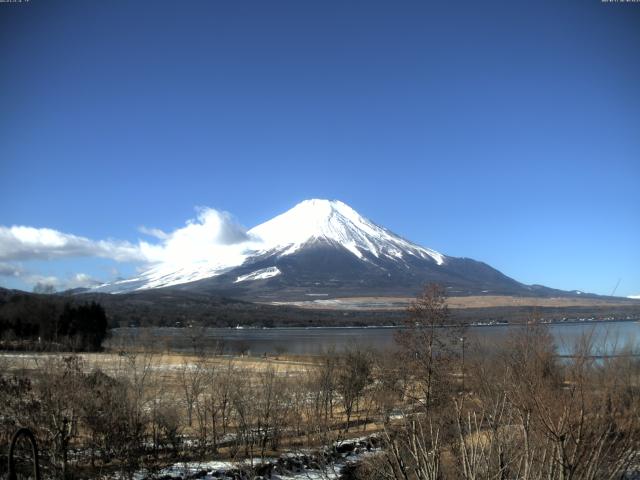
(325, 249)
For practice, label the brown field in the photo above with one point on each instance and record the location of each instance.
(167, 364)
(477, 301)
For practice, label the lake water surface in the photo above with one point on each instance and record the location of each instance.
(607, 337)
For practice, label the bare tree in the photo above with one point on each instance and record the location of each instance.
(354, 375)
(218, 388)
(59, 387)
(427, 347)
(132, 414)
(192, 378)
(413, 450)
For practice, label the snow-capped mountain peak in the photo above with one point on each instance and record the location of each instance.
(311, 222)
(335, 221)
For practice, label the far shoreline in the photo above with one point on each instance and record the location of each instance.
(398, 327)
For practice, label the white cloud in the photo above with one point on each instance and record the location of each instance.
(47, 283)
(81, 280)
(153, 232)
(10, 270)
(637, 297)
(29, 243)
(211, 236)
(75, 281)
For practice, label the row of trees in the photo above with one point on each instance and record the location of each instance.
(49, 323)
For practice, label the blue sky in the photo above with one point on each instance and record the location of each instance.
(508, 132)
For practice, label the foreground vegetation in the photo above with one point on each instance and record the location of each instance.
(439, 411)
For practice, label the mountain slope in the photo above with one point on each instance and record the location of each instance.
(323, 248)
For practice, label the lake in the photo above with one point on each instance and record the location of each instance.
(608, 337)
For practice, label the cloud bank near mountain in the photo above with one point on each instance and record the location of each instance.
(209, 230)
(30, 243)
(210, 234)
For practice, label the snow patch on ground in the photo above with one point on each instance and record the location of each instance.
(289, 466)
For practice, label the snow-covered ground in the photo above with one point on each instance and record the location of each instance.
(291, 466)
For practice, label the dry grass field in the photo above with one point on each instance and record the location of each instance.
(474, 301)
